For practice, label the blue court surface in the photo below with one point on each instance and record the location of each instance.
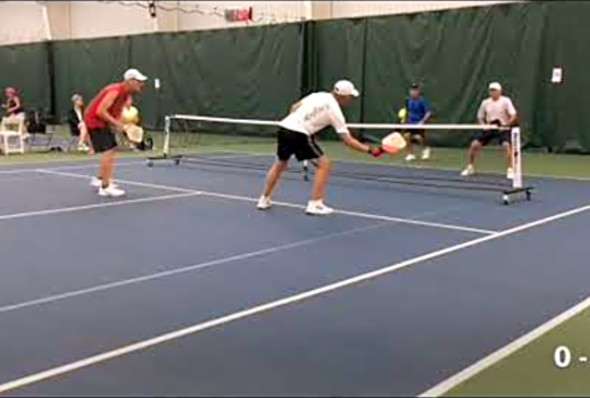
(184, 288)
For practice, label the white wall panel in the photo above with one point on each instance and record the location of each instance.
(98, 19)
(350, 9)
(21, 22)
(24, 21)
(264, 12)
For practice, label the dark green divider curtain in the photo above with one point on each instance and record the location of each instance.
(562, 110)
(245, 73)
(258, 72)
(339, 52)
(85, 66)
(454, 55)
(27, 68)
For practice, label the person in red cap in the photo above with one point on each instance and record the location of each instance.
(12, 105)
(102, 118)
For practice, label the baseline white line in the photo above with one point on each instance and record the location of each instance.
(182, 270)
(177, 334)
(61, 210)
(505, 351)
(296, 206)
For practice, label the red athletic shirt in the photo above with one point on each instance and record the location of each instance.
(91, 117)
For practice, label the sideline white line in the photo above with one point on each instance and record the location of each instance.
(139, 184)
(177, 334)
(505, 351)
(95, 206)
(73, 167)
(182, 270)
(293, 205)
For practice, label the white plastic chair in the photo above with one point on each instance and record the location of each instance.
(12, 135)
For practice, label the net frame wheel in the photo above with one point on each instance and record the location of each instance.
(149, 163)
(176, 162)
(506, 199)
(528, 194)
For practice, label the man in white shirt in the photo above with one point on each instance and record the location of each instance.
(498, 110)
(296, 137)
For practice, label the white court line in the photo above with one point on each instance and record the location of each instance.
(296, 206)
(177, 334)
(139, 184)
(73, 167)
(505, 351)
(61, 210)
(21, 178)
(182, 270)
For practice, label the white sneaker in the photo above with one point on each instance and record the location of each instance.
(469, 171)
(410, 157)
(317, 208)
(426, 154)
(97, 183)
(110, 191)
(510, 173)
(264, 203)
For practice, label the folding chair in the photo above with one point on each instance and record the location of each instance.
(12, 135)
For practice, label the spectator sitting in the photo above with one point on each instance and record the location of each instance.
(13, 107)
(76, 123)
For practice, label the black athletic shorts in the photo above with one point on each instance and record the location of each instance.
(486, 137)
(295, 143)
(414, 134)
(103, 139)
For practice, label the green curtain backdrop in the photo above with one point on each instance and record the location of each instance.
(561, 110)
(251, 72)
(85, 66)
(454, 55)
(258, 72)
(339, 54)
(27, 67)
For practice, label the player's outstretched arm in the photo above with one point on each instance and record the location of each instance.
(355, 144)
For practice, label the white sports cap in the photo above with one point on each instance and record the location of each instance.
(495, 86)
(134, 74)
(345, 87)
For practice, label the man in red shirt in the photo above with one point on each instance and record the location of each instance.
(102, 117)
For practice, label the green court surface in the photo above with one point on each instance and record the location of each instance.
(532, 371)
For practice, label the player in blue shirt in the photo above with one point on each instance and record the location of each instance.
(417, 112)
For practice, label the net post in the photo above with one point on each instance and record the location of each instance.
(516, 157)
(166, 148)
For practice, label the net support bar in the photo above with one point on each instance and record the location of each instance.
(516, 158)
(167, 130)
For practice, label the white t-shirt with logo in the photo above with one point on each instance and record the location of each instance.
(501, 109)
(315, 112)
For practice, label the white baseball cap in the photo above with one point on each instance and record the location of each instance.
(345, 87)
(134, 74)
(495, 86)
